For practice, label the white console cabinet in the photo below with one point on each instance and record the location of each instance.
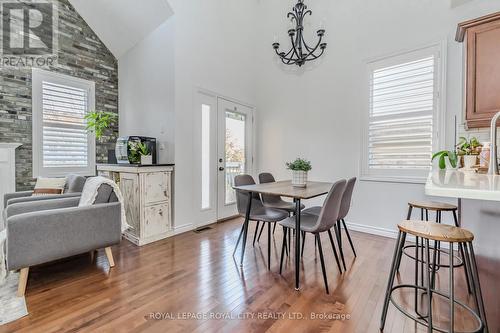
(147, 192)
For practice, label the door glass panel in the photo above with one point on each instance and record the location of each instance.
(235, 151)
(205, 156)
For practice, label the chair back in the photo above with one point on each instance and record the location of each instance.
(331, 208)
(266, 177)
(242, 196)
(346, 198)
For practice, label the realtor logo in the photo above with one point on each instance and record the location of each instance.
(28, 33)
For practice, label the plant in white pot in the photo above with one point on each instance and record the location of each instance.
(444, 155)
(469, 150)
(299, 168)
(140, 153)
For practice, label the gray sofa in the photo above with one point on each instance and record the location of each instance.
(41, 231)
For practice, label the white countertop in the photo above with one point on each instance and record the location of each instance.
(463, 184)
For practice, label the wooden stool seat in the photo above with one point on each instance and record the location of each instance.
(432, 205)
(436, 231)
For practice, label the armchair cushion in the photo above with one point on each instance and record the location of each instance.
(40, 205)
(74, 183)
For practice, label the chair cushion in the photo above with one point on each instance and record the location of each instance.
(315, 210)
(284, 205)
(267, 214)
(307, 223)
(74, 183)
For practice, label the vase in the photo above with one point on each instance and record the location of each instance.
(146, 159)
(299, 178)
(469, 161)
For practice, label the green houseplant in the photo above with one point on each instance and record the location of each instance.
(469, 151)
(442, 155)
(300, 167)
(140, 153)
(98, 121)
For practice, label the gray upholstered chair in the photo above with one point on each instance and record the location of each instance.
(344, 210)
(258, 212)
(48, 230)
(316, 224)
(274, 201)
(73, 188)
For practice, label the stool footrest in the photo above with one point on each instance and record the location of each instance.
(409, 255)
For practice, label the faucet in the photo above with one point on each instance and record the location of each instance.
(493, 165)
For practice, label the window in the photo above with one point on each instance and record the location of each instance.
(403, 116)
(60, 142)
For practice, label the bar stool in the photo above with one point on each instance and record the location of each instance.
(438, 208)
(438, 233)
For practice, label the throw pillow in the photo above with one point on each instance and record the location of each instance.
(46, 186)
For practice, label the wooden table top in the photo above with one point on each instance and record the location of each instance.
(285, 189)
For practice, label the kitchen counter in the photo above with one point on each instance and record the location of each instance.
(463, 184)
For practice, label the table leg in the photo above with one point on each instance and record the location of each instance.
(245, 229)
(297, 243)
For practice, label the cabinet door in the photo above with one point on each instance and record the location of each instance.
(483, 74)
(156, 187)
(157, 219)
(129, 186)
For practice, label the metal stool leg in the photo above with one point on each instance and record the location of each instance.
(452, 291)
(408, 217)
(429, 290)
(462, 255)
(477, 283)
(269, 246)
(395, 263)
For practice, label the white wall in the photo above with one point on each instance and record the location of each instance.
(316, 112)
(147, 90)
(213, 50)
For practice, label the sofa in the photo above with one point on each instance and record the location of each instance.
(41, 231)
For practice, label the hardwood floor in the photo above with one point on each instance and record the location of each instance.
(194, 274)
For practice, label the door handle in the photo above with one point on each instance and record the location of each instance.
(221, 168)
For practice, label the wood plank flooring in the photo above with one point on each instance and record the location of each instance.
(190, 283)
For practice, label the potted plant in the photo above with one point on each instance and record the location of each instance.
(140, 153)
(469, 151)
(98, 121)
(299, 168)
(443, 155)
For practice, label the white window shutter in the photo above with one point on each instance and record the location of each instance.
(402, 105)
(64, 134)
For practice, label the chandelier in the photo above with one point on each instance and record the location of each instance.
(300, 52)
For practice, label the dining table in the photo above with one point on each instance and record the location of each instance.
(285, 189)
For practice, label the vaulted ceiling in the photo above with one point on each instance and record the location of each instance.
(121, 24)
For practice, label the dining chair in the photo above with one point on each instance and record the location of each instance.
(317, 224)
(344, 210)
(258, 212)
(274, 201)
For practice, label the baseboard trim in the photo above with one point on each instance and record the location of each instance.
(183, 228)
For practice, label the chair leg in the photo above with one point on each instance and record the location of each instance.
(339, 242)
(239, 238)
(260, 233)
(303, 243)
(109, 254)
(255, 234)
(286, 245)
(349, 238)
(334, 251)
(23, 281)
(92, 256)
(269, 246)
(274, 228)
(325, 279)
(283, 246)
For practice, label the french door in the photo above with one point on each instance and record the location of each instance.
(223, 149)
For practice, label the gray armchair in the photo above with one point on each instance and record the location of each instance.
(48, 230)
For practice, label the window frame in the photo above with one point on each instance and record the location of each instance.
(38, 76)
(437, 49)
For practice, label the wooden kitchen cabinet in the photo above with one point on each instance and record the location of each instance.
(482, 74)
(147, 195)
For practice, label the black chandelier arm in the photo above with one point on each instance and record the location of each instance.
(311, 52)
(314, 57)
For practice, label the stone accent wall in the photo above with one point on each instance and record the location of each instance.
(81, 54)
